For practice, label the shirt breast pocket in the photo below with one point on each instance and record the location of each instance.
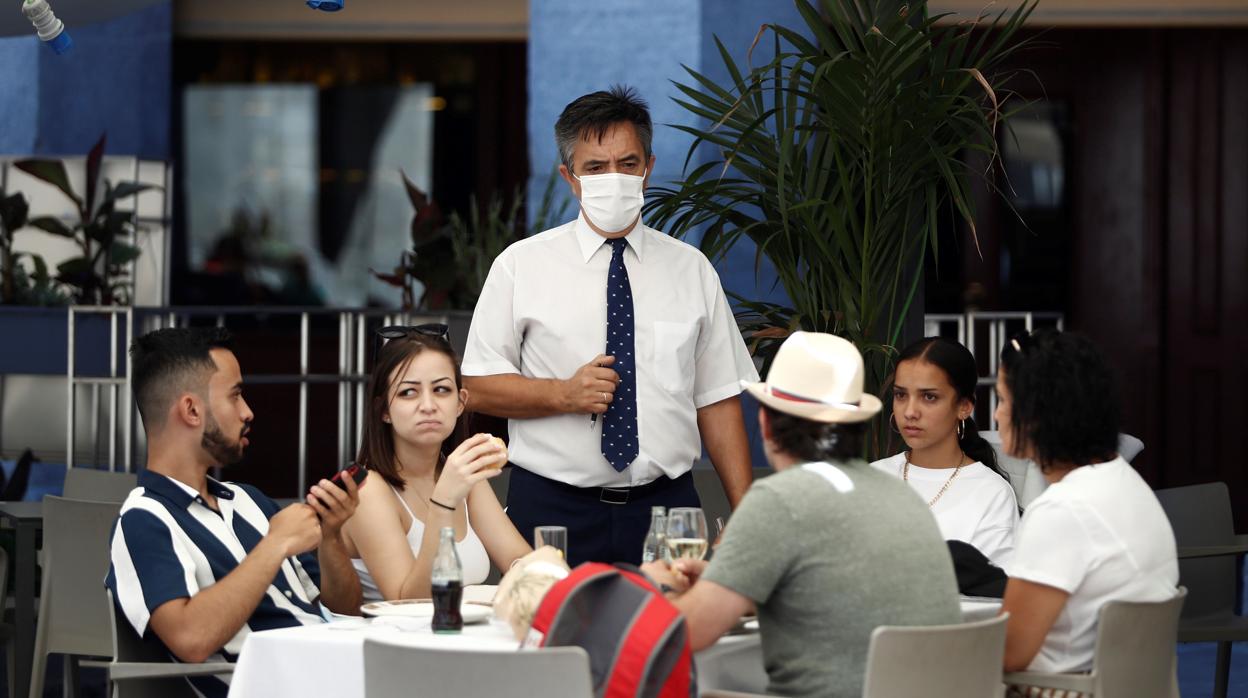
(674, 344)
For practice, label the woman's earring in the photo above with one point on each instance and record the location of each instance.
(893, 423)
(961, 428)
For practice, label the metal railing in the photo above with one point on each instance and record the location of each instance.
(353, 326)
(984, 333)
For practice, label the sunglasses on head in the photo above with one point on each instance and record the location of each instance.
(432, 329)
(1021, 340)
(389, 332)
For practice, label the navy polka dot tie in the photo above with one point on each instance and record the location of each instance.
(619, 424)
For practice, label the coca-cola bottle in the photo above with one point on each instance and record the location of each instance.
(447, 585)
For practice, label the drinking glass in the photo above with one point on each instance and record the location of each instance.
(686, 533)
(554, 536)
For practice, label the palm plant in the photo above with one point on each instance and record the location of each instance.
(835, 157)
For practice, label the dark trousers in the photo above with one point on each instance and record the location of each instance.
(604, 524)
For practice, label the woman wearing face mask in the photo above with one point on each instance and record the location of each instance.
(946, 461)
(1097, 534)
(414, 486)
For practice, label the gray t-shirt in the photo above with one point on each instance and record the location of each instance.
(826, 562)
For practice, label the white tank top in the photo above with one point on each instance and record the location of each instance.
(471, 551)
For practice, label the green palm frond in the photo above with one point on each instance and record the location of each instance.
(835, 156)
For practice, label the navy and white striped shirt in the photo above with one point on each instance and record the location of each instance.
(168, 544)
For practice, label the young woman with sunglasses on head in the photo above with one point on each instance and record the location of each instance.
(946, 461)
(416, 485)
(1098, 533)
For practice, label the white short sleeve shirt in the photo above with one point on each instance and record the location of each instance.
(1100, 535)
(978, 507)
(542, 314)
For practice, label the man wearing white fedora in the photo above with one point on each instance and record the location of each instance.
(828, 548)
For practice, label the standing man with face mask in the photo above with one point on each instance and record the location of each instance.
(611, 349)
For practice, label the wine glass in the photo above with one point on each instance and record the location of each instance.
(686, 533)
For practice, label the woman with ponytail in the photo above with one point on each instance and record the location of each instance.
(946, 461)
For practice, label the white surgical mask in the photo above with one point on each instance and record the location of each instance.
(611, 201)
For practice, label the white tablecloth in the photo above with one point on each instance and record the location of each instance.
(328, 660)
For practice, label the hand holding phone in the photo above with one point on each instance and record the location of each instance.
(355, 471)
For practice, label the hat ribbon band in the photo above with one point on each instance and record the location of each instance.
(794, 397)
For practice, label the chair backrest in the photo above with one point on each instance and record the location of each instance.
(98, 485)
(1135, 648)
(76, 557)
(391, 671)
(129, 647)
(1025, 476)
(1201, 515)
(936, 661)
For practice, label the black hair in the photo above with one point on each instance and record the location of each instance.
(810, 441)
(167, 363)
(595, 113)
(959, 368)
(1064, 399)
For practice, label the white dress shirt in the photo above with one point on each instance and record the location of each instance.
(543, 314)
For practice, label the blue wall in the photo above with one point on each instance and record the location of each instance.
(116, 79)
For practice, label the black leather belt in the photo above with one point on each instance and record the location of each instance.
(617, 495)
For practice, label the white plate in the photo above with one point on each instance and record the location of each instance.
(422, 608)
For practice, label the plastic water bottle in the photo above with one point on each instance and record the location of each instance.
(447, 585)
(655, 547)
(51, 30)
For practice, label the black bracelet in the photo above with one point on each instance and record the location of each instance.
(436, 502)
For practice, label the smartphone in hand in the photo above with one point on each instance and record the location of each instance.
(354, 471)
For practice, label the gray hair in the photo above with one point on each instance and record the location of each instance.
(595, 113)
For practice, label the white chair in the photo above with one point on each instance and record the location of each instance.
(98, 485)
(936, 661)
(391, 670)
(1134, 655)
(1025, 476)
(73, 605)
(143, 669)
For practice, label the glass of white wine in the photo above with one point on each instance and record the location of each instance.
(686, 533)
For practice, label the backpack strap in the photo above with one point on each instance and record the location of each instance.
(552, 603)
(644, 637)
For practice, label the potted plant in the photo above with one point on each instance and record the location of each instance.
(104, 235)
(451, 257)
(36, 339)
(835, 157)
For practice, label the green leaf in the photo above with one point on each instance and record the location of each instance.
(52, 172)
(48, 224)
(121, 253)
(94, 159)
(13, 212)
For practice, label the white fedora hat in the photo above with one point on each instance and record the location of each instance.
(817, 376)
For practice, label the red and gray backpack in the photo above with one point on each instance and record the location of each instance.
(636, 639)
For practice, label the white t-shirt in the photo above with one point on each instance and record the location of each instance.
(978, 508)
(543, 314)
(1100, 535)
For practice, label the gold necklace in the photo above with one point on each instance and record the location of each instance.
(905, 476)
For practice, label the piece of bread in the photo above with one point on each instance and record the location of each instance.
(502, 458)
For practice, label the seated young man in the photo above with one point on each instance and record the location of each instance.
(202, 563)
(828, 548)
